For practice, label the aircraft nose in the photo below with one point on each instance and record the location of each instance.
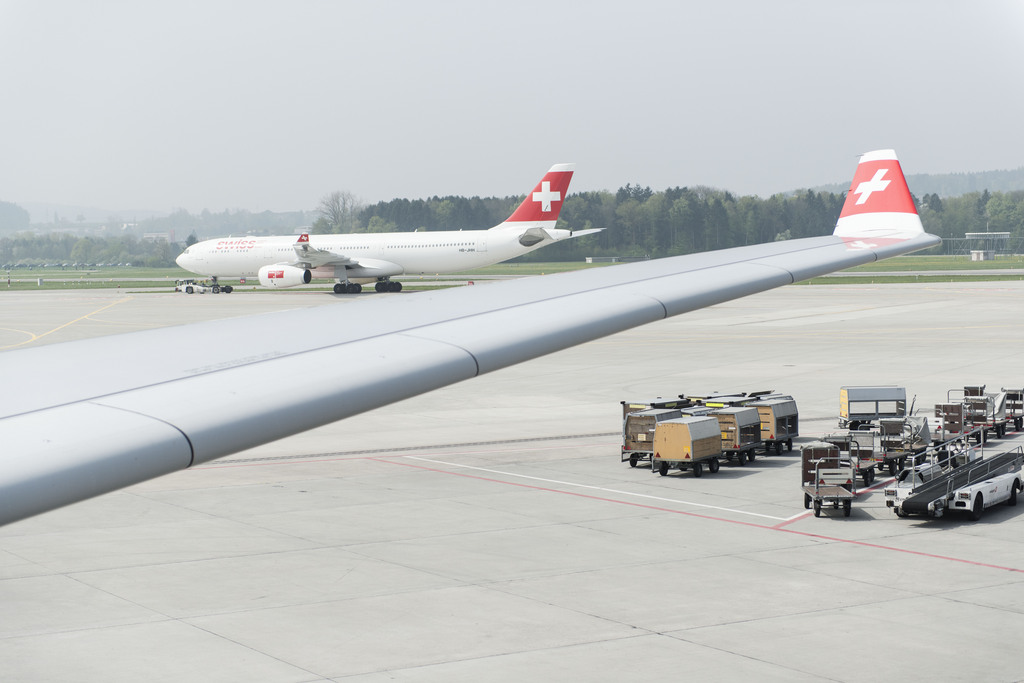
(184, 260)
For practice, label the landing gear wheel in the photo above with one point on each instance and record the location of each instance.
(339, 288)
(713, 465)
(381, 286)
(394, 286)
(847, 507)
(354, 288)
(663, 469)
(698, 469)
(227, 289)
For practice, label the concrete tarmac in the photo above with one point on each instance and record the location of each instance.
(489, 532)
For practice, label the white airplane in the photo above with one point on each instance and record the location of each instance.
(355, 259)
(88, 417)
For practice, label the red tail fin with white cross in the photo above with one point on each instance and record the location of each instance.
(543, 204)
(879, 205)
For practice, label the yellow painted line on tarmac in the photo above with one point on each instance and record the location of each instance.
(36, 337)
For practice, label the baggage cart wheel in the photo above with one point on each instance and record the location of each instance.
(847, 507)
(892, 468)
(663, 469)
(741, 459)
(750, 455)
(807, 501)
(698, 469)
(817, 508)
(713, 465)
(789, 444)
(632, 461)
(1013, 495)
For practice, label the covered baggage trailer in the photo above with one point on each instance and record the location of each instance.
(638, 432)
(741, 432)
(780, 422)
(867, 405)
(687, 443)
(826, 478)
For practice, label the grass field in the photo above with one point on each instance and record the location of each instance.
(899, 269)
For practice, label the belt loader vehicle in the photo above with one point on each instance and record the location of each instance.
(970, 488)
(687, 443)
(868, 404)
(937, 461)
(638, 430)
(826, 477)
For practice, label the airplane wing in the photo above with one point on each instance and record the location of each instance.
(79, 425)
(308, 256)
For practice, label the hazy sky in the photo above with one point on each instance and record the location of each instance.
(271, 105)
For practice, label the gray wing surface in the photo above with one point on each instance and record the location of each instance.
(96, 415)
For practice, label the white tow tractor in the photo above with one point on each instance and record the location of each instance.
(201, 287)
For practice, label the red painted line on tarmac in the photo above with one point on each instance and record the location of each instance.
(778, 527)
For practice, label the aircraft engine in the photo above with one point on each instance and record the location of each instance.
(284, 276)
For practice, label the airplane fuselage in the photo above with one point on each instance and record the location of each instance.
(415, 252)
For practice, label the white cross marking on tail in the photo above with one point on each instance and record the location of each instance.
(876, 184)
(546, 196)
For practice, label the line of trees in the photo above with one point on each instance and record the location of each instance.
(638, 222)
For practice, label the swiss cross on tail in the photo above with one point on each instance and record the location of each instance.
(544, 203)
(878, 206)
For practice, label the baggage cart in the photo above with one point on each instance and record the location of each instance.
(826, 478)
